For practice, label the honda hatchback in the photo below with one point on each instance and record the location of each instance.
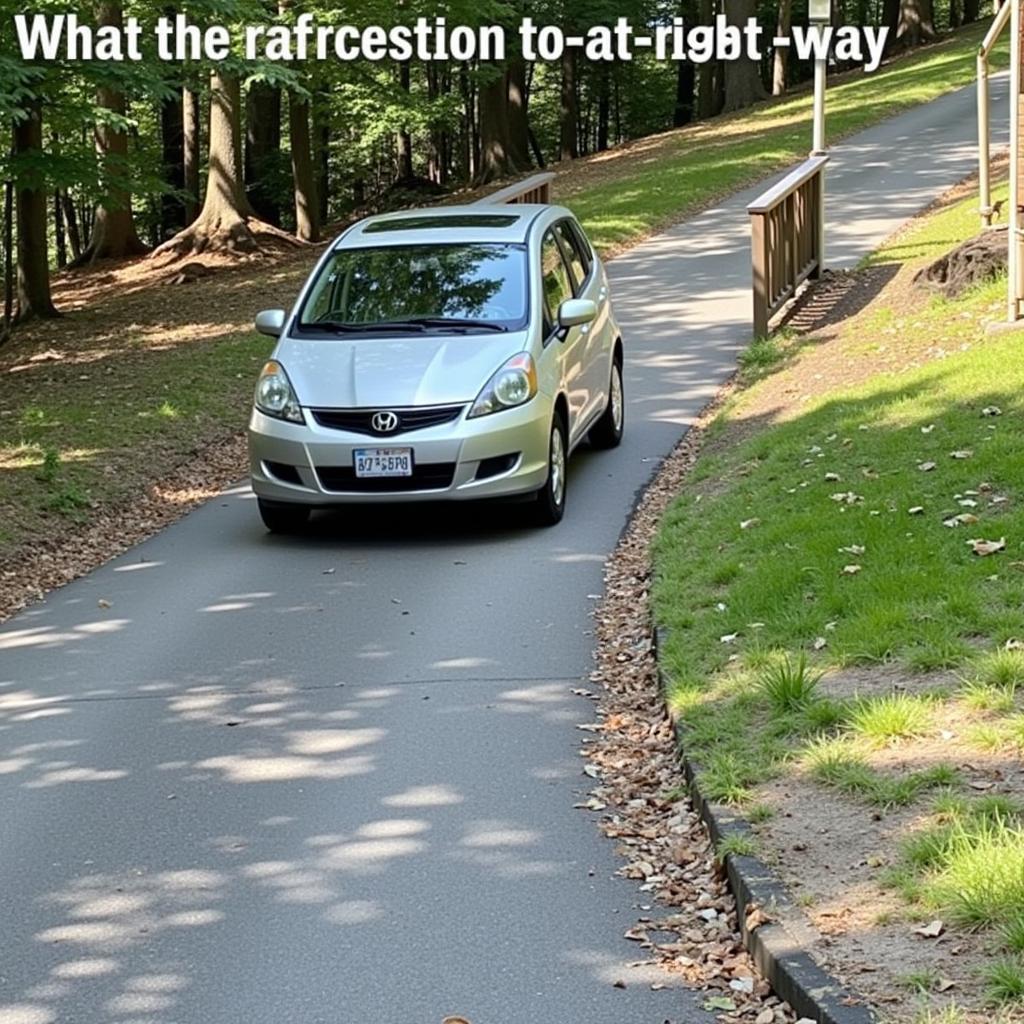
(435, 355)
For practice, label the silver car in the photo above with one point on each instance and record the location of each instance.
(440, 354)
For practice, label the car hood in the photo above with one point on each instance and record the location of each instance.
(427, 369)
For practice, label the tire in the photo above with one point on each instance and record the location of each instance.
(607, 431)
(549, 503)
(283, 518)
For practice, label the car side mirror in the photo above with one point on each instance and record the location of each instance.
(270, 322)
(574, 312)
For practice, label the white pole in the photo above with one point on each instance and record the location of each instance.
(984, 188)
(818, 144)
(1014, 267)
(818, 149)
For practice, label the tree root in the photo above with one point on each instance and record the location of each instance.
(225, 234)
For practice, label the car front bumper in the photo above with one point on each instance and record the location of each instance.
(310, 464)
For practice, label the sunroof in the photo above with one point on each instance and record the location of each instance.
(459, 220)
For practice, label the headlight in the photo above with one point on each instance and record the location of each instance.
(514, 384)
(275, 395)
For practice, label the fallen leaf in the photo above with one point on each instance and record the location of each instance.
(103, 602)
(917, 510)
(853, 549)
(719, 1003)
(991, 410)
(987, 547)
(926, 467)
(928, 429)
(746, 524)
(618, 984)
(832, 478)
(765, 1017)
(729, 638)
(965, 518)
(945, 984)
(961, 453)
(743, 985)
(851, 570)
(820, 643)
(931, 930)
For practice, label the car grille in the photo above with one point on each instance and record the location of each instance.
(358, 421)
(427, 477)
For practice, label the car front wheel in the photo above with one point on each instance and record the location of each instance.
(549, 504)
(282, 518)
(607, 431)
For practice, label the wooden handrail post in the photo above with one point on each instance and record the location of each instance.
(787, 226)
(760, 252)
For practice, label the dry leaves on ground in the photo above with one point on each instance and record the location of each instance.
(691, 928)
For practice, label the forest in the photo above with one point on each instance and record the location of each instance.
(171, 159)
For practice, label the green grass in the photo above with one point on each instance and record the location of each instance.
(831, 480)
(664, 184)
(737, 844)
(894, 717)
(789, 685)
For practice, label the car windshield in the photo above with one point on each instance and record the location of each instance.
(457, 287)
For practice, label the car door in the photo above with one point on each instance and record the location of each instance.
(572, 344)
(587, 284)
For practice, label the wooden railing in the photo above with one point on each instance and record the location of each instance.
(787, 239)
(535, 189)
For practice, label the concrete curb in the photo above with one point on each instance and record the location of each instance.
(779, 947)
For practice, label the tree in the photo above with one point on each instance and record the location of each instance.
(568, 109)
(113, 234)
(33, 267)
(781, 54)
(307, 209)
(262, 148)
(916, 23)
(743, 85)
(191, 146)
(227, 222)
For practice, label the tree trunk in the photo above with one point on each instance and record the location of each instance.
(60, 236)
(404, 139)
(518, 120)
(603, 108)
(113, 230)
(743, 85)
(307, 227)
(706, 72)
(781, 52)
(682, 113)
(322, 156)
(227, 222)
(262, 148)
(71, 221)
(172, 135)
(971, 10)
(569, 147)
(33, 270)
(8, 256)
(192, 156)
(496, 159)
(916, 24)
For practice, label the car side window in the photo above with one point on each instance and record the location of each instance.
(555, 277)
(583, 243)
(571, 248)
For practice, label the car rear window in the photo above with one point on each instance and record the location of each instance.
(464, 281)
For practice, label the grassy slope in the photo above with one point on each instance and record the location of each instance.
(141, 385)
(919, 601)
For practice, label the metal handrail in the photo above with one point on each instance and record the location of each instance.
(787, 238)
(984, 52)
(535, 189)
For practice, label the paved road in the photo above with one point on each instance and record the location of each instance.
(331, 779)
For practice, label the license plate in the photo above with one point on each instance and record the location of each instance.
(383, 461)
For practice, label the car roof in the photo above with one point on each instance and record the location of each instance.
(477, 222)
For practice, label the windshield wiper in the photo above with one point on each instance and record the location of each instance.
(346, 327)
(454, 322)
